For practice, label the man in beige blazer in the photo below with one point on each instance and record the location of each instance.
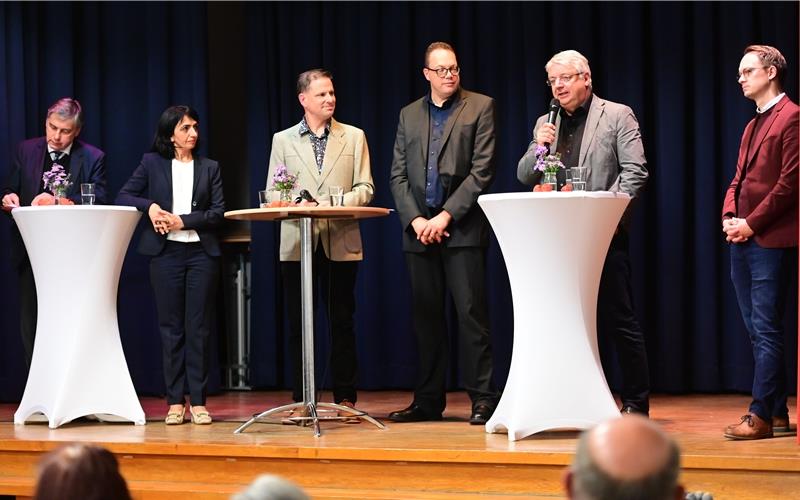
(322, 153)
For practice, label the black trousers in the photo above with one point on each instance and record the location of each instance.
(462, 271)
(27, 308)
(616, 320)
(184, 279)
(335, 282)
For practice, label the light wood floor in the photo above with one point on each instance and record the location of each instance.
(709, 461)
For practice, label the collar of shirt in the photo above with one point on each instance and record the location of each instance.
(771, 103)
(66, 150)
(582, 110)
(446, 104)
(305, 130)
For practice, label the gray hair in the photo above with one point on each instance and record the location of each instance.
(67, 108)
(592, 482)
(573, 59)
(271, 487)
(305, 78)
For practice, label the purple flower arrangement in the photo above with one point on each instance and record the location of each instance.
(56, 180)
(546, 162)
(283, 180)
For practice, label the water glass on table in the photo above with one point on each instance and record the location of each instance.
(337, 196)
(578, 178)
(87, 194)
(263, 199)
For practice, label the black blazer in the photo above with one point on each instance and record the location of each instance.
(86, 164)
(466, 168)
(151, 182)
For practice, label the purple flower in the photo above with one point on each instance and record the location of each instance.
(282, 180)
(56, 180)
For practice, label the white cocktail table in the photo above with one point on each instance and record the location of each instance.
(78, 365)
(554, 245)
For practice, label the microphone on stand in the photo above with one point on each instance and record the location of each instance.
(305, 195)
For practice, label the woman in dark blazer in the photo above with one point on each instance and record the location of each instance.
(182, 194)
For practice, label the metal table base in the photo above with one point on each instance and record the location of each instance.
(309, 391)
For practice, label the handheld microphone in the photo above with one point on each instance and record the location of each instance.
(555, 106)
(305, 195)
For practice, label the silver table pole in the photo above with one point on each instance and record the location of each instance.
(307, 304)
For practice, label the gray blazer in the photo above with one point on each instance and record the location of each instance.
(466, 168)
(346, 164)
(611, 149)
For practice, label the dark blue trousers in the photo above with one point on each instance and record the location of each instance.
(184, 279)
(761, 278)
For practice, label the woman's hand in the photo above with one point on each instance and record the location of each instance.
(159, 218)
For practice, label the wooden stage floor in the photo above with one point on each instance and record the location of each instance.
(431, 460)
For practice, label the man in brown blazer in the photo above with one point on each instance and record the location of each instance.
(322, 153)
(444, 155)
(759, 218)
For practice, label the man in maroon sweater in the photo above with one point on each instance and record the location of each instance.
(759, 218)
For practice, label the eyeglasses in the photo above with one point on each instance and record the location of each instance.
(565, 79)
(746, 73)
(442, 72)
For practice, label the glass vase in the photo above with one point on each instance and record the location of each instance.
(286, 196)
(550, 178)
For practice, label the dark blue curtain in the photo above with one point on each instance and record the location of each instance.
(673, 63)
(125, 63)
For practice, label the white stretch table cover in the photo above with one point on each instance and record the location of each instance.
(554, 245)
(78, 365)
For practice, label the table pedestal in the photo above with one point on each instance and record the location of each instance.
(306, 216)
(554, 245)
(78, 366)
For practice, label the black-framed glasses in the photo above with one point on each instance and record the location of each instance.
(565, 79)
(746, 72)
(442, 72)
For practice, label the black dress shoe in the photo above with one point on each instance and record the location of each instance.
(480, 414)
(628, 410)
(413, 414)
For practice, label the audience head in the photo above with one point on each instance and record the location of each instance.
(63, 122)
(270, 487)
(164, 142)
(80, 472)
(627, 458)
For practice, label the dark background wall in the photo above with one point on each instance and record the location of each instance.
(673, 63)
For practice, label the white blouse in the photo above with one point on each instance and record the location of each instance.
(182, 184)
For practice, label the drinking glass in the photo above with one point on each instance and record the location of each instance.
(337, 196)
(87, 194)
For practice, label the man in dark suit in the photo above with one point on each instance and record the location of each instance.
(604, 137)
(759, 218)
(444, 156)
(84, 164)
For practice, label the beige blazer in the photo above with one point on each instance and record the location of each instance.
(346, 164)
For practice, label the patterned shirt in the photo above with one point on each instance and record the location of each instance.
(318, 143)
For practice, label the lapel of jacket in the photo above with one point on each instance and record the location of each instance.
(199, 168)
(762, 133)
(304, 149)
(462, 102)
(333, 150)
(77, 163)
(38, 167)
(596, 110)
(165, 166)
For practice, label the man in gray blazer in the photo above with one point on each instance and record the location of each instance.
(444, 156)
(322, 153)
(604, 137)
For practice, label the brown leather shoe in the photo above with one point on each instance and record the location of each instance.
(351, 419)
(298, 416)
(750, 427)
